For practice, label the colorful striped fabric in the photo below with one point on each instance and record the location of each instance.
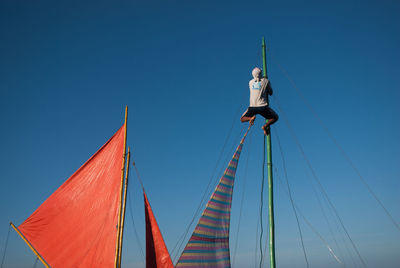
(209, 244)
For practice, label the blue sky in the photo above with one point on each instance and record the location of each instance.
(68, 69)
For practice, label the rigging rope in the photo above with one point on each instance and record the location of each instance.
(259, 56)
(291, 199)
(134, 227)
(320, 204)
(131, 212)
(262, 202)
(241, 202)
(266, 242)
(314, 175)
(345, 243)
(204, 201)
(320, 236)
(5, 246)
(342, 151)
(255, 251)
(182, 238)
(141, 184)
(327, 221)
(311, 226)
(196, 214)
(36, 261)
(137, 174)
(339, 231)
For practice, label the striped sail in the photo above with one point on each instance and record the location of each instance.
(209, 244)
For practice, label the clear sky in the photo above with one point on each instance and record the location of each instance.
(68, 68)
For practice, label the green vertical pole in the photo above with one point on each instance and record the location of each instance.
(270, 181)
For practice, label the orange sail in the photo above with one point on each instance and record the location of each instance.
(157, 255)
(77, 225)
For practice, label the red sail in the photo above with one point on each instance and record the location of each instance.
(157, 255)
(77, 225)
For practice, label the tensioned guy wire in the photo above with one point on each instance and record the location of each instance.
(5, 246)
(134, 226)
(262, 202)
(312, 227)
(36, 261)
(181, 240)
(291, 198)
(340, 148)
(316, 179)
(241, 202)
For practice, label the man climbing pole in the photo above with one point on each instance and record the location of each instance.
(260, 88)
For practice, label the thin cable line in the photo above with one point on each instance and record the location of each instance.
(137, 174)
(182, 238)
(266, 242)
(336, 223)
(343, 152)
(320, 236)
(345, 242)
(36, 261)
(314, 175)
(291, 198)
(134, 226)
(241, 202)
(215, 185)
(256, 250)
(5, 246)
(262, 203)
(312, 227)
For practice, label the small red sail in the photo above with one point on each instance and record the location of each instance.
(157, 255)
(77, 225)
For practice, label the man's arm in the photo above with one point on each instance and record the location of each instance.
(269, 88)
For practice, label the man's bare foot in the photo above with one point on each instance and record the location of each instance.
(252, 120)
(266, 129)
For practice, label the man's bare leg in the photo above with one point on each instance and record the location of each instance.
(267, 124)
(248, 119)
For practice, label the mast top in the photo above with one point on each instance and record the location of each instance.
(264, 54)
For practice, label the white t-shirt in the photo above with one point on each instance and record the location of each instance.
(259, 92)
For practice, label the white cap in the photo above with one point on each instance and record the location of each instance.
(256, 72)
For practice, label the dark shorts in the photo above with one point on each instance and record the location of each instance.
(265, 111)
